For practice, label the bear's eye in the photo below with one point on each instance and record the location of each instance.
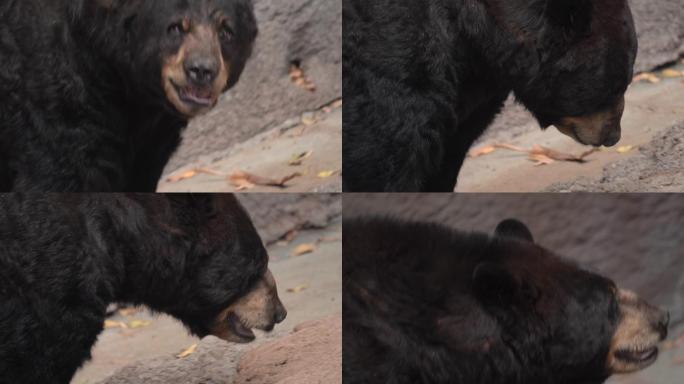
(225, 32)
(176, 29)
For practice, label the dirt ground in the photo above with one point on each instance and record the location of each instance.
(649, 157)
(309, 146)
(309, 286)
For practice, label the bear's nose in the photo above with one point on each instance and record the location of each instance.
(201, 70)
(280, 313)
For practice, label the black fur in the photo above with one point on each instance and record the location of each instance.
(81, 102)
(64, 258)
(426, 304)
(424, 78)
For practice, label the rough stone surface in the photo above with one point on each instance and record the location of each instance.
(279, 214)
(659, 166)
(308, 32)
(310, 355)
(636, 239)
(660, 30)
(214, 362)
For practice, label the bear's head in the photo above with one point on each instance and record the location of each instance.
(574, 61)
(559, 318)
(211, 269)
(185, 53)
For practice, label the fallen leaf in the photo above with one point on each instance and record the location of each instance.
(129, 311)
(244, 180)
(110, 324)
(482, 151)
(646, 76)
(672, 73)
(624, 149)
(182, 176)
(297, 159)
(560, 156)
(309, 119)
(138, 324)
(299, 78)
(540, 159)
(192, 173)
(298, 288)
(187, 352)
(291, 235)
(303, 249)
(326, 174)
(542, 155)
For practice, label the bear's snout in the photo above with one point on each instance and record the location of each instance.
(599, 128)
(640, 328)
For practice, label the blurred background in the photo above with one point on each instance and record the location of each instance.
(635, 239)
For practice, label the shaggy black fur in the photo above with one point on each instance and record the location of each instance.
(427, 304)
(424, 78)
(64, 258)
(81, 102)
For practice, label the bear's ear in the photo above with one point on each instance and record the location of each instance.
(572, 15)
(515, 229)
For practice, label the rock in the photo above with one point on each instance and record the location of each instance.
(214, 362)
(306, 32)
(281, 213)
(310, 355)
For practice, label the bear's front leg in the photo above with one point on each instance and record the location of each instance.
(392, 144)
(81, 158)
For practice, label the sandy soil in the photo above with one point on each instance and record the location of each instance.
(270, 155)
(652, 126)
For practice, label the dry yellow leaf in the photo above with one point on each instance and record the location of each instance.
(129, 311)
(297, 159)
(482, 151)
(672, 73)
(647, 76)
(624, 149)
(540, 159)
(139, 324)
(187, 352)
(110, 324)
(303, 249)
(183, 176)
(326, 174)
(298, 288)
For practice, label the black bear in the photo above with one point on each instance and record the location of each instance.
(64, 258)
(422, 79)
(95, 93)
(427, 304)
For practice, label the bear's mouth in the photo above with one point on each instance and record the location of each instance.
(244, 333)
(201, 97)
(637, 356)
